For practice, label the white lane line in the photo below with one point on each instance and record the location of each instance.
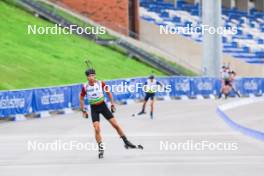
(238, 127)
(239, 103)
(176, 134)
(134, 163)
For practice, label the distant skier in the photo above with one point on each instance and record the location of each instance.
(232, 78)
(228, 78)
(224, 82)
(151, 88)
(94, 90)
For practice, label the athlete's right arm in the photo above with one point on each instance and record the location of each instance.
(82, 106)
(113, 109)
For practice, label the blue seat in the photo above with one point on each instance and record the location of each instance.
(164, 15)
(187, 23)
(160, 7)
(176, 19)
(260, 54)
(260, 41)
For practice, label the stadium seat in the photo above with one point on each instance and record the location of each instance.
(247, 44)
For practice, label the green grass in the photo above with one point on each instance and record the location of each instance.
(28, 61)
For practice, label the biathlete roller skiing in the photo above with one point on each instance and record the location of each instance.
(94, 90)
(228, 78)
(151, 87)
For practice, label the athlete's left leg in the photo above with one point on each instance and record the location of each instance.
(146, 98)
(116, 126)
(121, 133)
(112, 120)
(233, 89)
(143, 107)
(222, 89)
(227, 90)
(151, 108)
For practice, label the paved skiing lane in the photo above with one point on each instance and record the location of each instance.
(172, 144)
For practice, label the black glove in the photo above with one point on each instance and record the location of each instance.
(85, 114)
(113, 109)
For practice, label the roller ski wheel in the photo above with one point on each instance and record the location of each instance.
(101, 154)
(134, 147)
(140, 147)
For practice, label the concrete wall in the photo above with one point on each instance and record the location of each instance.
(187, 52)
(171, 1)
(242, 5)
(227, 3)
(190, 1)
(259, 5)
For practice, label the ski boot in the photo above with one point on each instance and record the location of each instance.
(141, 113)
(138, 114)
(129, 145)
(151, 115)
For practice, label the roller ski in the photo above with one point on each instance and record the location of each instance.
(129, 145)
(134, 147)
(138, 114)
(101, 154)
(101, 151)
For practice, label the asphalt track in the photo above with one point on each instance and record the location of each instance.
(175, 122)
